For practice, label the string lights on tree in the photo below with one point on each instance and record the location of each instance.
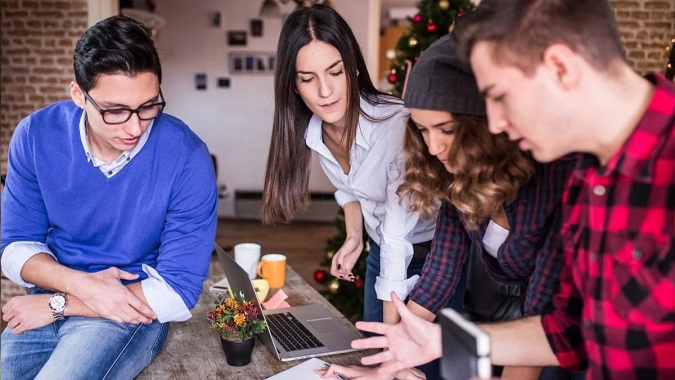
(434, 19)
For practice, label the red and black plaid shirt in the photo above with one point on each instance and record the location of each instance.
(615, 313)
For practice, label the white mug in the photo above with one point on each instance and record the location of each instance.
(247, 256)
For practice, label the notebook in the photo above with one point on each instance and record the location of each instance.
(304, 371)
(298, 332)
(466, 348)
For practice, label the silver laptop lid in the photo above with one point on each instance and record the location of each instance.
(240, 283)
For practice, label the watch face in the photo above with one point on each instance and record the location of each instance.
(57, 302)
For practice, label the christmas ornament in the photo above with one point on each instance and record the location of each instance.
(444, 5)
(452, 27)
(417, 17)
(412, 42)
(334, 286)
(391, 54)
(392, 78)
(358, 283)
(431, 27)
(367, 246)
(460, 13)
(329, 255)
(320, 276)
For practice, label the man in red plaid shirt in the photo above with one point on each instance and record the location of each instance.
(555, 78)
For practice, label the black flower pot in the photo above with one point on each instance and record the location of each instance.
(237, 353)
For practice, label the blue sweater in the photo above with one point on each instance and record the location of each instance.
(159, 210)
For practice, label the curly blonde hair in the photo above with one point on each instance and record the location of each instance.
(487, 171)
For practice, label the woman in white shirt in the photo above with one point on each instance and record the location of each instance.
(325, 102)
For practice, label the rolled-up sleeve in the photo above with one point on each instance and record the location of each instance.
(162, 299)
(396, 250)
(342, 197)
(16, 255)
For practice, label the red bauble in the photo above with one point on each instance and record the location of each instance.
(417, 17)
(417, 58)
(392, 78)
(320, 276)
(460, 13)
(431, 27)
(358, 283)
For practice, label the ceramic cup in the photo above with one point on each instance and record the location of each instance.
(272, 268)
(247, 256)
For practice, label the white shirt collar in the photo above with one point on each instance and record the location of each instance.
(126, 155)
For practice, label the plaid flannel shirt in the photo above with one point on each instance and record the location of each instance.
(615, 313)
(531, 254)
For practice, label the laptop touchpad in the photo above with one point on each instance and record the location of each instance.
(324, 325)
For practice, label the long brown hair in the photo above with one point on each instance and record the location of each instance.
(288, 162)
(488, 170)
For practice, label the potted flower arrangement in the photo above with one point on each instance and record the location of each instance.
(238, 322)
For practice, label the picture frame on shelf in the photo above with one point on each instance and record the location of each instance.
(251, 63)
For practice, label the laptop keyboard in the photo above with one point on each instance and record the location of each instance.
(292, 335)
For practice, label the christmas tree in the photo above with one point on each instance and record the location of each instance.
(434, 19)
(346, 296)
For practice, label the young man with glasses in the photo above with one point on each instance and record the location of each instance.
(108, 218)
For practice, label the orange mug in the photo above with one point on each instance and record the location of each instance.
(272, 268)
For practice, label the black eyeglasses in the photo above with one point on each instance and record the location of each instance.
(122, 115)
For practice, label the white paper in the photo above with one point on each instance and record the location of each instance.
(304, 370)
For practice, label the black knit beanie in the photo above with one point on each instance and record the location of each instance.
(442, 81)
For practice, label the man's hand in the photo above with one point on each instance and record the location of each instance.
(104, 294)
(410, 343)
(24, 313)
(346, 257)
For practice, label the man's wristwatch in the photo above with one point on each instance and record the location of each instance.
(57, 304)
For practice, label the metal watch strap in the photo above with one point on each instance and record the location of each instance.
(58, 313)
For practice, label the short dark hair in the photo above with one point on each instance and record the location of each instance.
(522, 30)
(116, 45)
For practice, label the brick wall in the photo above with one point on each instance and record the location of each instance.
(646, 27)
(38, 39)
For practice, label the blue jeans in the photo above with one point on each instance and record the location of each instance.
(81, 348)
(372, 308)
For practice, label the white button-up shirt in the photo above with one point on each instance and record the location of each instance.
(376, 171)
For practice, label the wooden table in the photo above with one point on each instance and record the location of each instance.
(192, 349)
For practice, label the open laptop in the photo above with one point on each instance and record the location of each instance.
(466, 348)
(298, 332)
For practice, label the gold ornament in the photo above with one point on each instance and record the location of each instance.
(412, 42)
(329, 255)
(391, 54)
(452, 27)
(334, 286)
(444, 5)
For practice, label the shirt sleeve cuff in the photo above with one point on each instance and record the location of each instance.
(384, 287)
(163, 300)
(15, 256)
(571, 359)
(342, 198)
